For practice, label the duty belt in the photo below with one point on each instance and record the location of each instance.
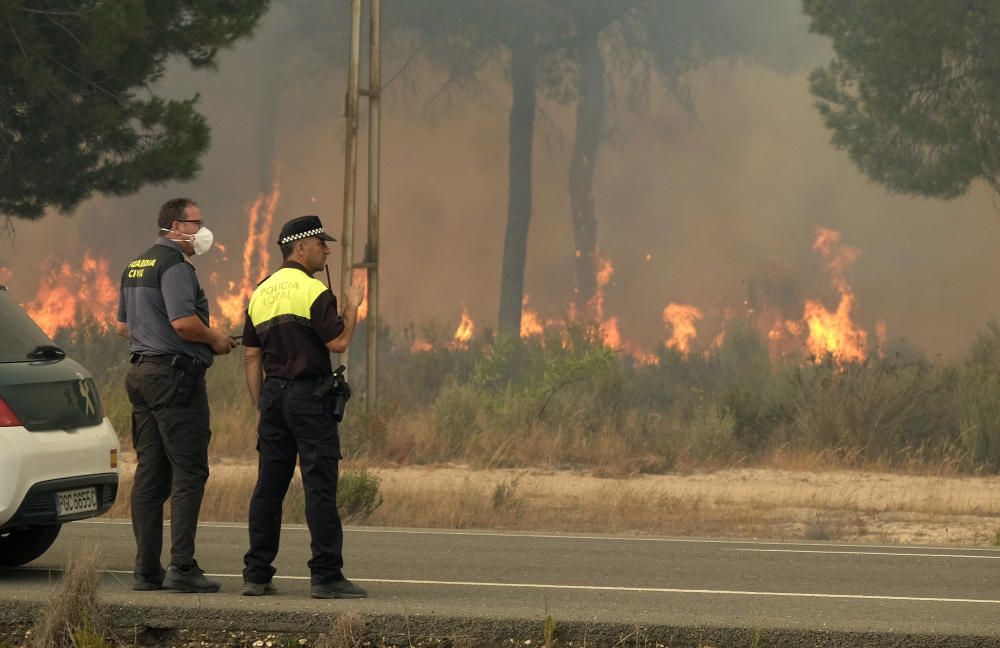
(182, 362)
(293, 381)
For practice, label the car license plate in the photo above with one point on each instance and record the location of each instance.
(80, 500)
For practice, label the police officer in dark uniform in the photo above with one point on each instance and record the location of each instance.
(292, 325)
(163, 312)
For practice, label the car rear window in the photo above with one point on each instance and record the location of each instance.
(20, 333)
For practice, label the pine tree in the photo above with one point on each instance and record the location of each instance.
(77, 115)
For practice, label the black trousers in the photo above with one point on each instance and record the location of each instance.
(294, 423)
(170, 433)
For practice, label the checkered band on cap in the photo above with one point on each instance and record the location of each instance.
(302, 235)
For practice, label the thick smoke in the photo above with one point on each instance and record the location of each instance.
(718, 211)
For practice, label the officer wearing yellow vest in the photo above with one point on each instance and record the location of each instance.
(292, 325)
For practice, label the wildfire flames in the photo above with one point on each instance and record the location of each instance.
(834, 333)
(610, 330)
(460, 340)
(610, 335)
(421, 346)
(681, 318)
(67, 296)
(531, 322)
(256, 260)
(822, 333)
(829, 333)
(464, 331)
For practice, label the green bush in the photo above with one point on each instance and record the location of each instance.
(456, 413)
(358, 495)
(880, 410)
(88, 637)
(712, 437)
(977, 399)
(755, 394)
(578, 401)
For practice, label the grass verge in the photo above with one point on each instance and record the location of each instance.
(776, 503)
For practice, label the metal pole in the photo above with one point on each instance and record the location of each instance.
(374, 122)
(351, 159)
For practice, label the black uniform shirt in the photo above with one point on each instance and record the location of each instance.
(291, 317)
(157, 288)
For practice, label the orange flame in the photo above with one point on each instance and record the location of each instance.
(531, 322)
(681, 319)
(610, 335)
(825, 332)
(785, 337)
(261, 217)
(464, 331)
(65, 296)
(640, 355)
(834, 333)
(610, 331)
(605, 271)
(5, 276)
(839, 257)
(421, 346)
(463, 334)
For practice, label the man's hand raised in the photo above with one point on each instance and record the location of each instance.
(355, 294)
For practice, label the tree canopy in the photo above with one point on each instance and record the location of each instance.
(913, 93)
(77, 115)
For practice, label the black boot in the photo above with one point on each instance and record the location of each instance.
(189, 579)
(341, 589)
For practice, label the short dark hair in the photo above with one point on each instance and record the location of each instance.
(286, 250)
(173, 210)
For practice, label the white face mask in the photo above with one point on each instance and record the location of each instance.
(201, 240)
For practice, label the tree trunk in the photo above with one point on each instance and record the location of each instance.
(590, 109)
(522, 128)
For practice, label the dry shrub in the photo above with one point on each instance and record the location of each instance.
(72, 618)
(347, 631)
(712, 438)
(823, 528)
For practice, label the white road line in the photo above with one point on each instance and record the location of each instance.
(609, 588)
(555, 536)
(867, 553)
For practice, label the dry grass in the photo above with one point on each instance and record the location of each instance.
(748, 502)
(346, 631)
(72, 619)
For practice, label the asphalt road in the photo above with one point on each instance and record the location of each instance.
(433, 578)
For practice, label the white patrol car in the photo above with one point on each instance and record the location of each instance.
(58, 452)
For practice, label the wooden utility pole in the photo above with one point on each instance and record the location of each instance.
(371, 255)
(350, 159)
(374, 95)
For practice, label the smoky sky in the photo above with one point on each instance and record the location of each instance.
(710, 207)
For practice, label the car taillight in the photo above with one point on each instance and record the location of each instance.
(7, 416)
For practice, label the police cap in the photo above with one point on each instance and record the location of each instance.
(301, 228)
